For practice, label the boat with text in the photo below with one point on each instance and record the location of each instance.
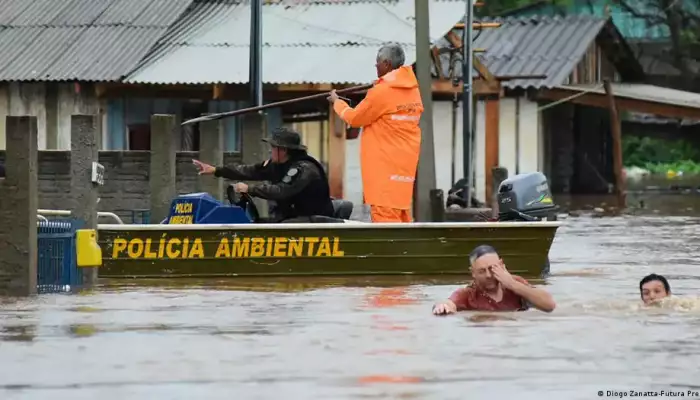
(203, 237)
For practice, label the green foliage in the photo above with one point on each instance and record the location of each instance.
(660, 156)
(685, 166)
(689, 37)
(495, 7)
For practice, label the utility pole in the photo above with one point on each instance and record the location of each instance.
(257, 120)
(426, 165)
(255, 58)
(467, 100)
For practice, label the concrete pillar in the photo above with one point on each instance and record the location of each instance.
(84, 151)
(211, 151)
(253, 131)
(163, 162)
(253, 149)
(18, 205)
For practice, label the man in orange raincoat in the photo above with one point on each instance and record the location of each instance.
(391, 137)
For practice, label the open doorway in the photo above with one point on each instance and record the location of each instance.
(190, 133)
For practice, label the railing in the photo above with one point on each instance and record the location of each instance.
(41, 213)
(57, 269)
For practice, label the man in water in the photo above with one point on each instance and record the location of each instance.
(391, 137)
(298, 182)
(494, 289)
(653, 288)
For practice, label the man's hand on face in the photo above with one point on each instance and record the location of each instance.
(202, 168)
(332, 97)
(501, 274)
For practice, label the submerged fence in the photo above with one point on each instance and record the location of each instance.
(57, 268)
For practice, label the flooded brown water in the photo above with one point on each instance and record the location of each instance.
(222, 341)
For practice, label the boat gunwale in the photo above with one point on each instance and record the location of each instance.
(336, 226)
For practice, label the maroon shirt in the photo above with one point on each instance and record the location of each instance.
(472, 298)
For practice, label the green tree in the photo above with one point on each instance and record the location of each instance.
(682, 18)
(491, 8)
(496, 7)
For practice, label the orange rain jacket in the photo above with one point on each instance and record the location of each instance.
(390, 140)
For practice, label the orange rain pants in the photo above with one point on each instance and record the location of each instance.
(387, 214)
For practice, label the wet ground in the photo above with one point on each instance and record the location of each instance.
(228, 342)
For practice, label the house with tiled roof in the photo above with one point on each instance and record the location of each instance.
(56, 53)
(641, 23)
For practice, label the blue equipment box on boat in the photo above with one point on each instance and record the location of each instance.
(202, 208)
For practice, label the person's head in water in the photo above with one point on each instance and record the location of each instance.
(482, 259)
(285, 144)
(389, 57)
(653, 288)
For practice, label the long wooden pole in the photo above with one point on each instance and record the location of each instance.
(234, 113)
(616, 132)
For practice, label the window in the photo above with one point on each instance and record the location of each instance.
(139, 136)
(137, 115)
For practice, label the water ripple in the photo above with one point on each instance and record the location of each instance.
(367, 342)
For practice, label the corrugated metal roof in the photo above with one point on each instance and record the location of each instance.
(103, 53)
(312, 43)
(10, 9)
(550, 46)
(644, 92)
(38, 13)
(79, 12)
(88, 40)
(45, 45)
(284, 64)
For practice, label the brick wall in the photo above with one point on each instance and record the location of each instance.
(126, 179)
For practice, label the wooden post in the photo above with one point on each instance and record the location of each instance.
(218, 91)
(437, 205)
(491, 143)
(616, 131)
(336, 154)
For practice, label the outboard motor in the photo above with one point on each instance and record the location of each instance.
(526, 197)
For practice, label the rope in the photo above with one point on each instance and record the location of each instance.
(565, 99)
